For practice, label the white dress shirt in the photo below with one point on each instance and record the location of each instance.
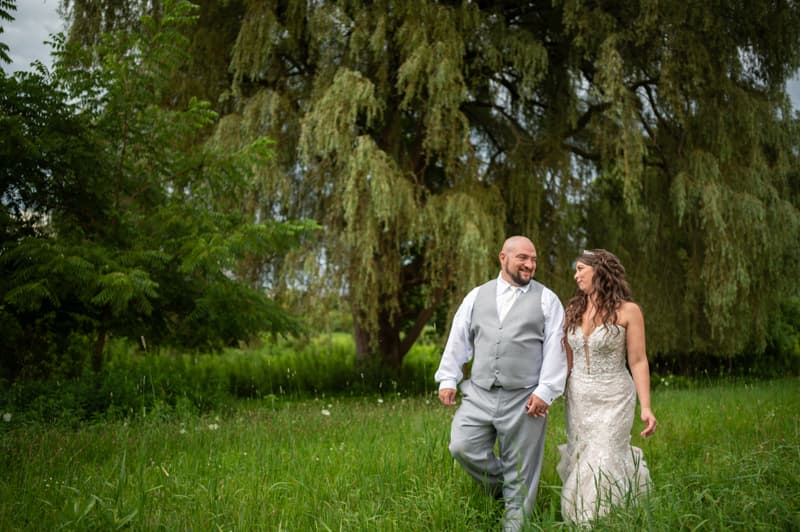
(506, 299)
(458, 350)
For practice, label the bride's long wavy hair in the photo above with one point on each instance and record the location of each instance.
(609, 285)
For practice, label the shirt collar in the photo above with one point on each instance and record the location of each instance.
(503, 285)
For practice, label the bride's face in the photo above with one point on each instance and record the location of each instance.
(584, 274)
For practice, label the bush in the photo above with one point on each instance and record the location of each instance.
(134, 383)
(783, 348)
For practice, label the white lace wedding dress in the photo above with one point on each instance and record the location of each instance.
(599, 468)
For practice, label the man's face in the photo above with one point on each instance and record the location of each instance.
(518, 264)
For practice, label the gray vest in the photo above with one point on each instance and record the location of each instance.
(508, 354)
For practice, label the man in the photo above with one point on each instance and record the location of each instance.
(512, 326)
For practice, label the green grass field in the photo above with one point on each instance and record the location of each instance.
(726, 457)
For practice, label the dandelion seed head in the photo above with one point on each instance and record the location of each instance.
(7, 417)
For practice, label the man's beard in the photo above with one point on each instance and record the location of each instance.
(517, 277)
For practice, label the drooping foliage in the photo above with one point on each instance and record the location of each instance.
(413, 149)
(117, 219)
(426, 130)
(421, 132)
(6, 7)
(204, 72)
(698, 188)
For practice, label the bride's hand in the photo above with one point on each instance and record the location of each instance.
(649, 421)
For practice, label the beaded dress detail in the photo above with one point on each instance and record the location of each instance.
(599, 467)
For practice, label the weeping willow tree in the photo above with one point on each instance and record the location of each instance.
(428, 129)
(420, 133)
(698, 165)
(425, 132)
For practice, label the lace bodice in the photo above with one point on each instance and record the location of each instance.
(601, 352)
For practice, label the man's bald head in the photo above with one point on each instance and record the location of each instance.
(514, 242)
(518, 260)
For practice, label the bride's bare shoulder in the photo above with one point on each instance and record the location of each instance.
(630, 314)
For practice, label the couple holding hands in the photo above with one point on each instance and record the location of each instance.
(528, 350)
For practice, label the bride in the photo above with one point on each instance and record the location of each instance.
(604, 329)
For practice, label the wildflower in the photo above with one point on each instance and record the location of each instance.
(326, 412)
(7, 417)
(213, 426)
(380, 401)
(182, 431)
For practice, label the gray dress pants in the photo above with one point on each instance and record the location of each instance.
(486, 416)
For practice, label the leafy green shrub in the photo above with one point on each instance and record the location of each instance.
(116, 219)
(135, 383)
(783, 348)
(419, 365)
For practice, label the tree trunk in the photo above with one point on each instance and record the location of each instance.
(361, 337)
(99, 346)
(384, 351)
(389, 346)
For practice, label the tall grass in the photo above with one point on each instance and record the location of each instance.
(726, 457)
(132, 383)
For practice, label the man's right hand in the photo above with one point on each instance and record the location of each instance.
(447, 396)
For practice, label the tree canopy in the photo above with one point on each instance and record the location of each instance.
(117, 219)
(420, 133)
(428, 130)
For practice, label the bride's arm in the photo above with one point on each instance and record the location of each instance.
(568, 351)
(637, 362)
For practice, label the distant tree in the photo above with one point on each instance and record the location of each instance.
(422, 132)
(117, 218)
